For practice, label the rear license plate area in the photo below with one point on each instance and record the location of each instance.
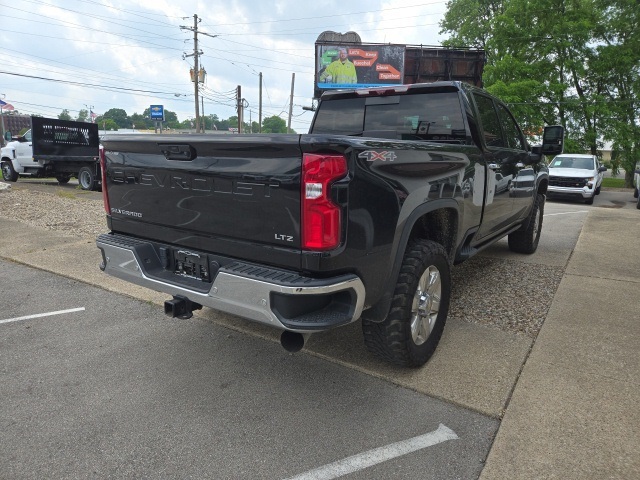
(191, 265)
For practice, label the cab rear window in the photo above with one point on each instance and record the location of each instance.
(431, 116)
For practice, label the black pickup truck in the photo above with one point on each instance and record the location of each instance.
(361, 218)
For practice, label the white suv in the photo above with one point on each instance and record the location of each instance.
(575, 175)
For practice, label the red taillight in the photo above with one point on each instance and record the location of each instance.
(103, 175)
(321, 218)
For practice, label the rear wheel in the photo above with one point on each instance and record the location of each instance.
(638, 204)
(411, 332)
(635, 192)
(8, 173)
(527, 237)
(63, 178)
(87, 179)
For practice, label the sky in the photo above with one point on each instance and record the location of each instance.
(103, 54)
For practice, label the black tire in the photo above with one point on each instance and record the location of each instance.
(589, 201)
(598, 190)
(8, 173)
(527, 237)
(411, 332)
(638, 204)
(87, 179)
(63, 178)
(635, 192)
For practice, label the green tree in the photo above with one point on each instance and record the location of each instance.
(274, 124)
(119, 116)
(83, 115)
(575, 63)
(64, 115)
(619, 60)
(225, 124)
(469, 22)
(141, 122)
(106, 124)
(186, 124)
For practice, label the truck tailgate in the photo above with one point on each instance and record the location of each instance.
(216, 187)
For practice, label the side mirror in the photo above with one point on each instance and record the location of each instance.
(7, 136)
(603, 169)
(553, 140)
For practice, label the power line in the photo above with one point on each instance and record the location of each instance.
(315, 18)
(110, 18)
(80, 84)
(93, 30)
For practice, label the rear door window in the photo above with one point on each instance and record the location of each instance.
(512, 135)
(491, 129)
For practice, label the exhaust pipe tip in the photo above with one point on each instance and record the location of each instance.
(293, 341)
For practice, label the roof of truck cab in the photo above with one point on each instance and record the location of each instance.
(446, 85)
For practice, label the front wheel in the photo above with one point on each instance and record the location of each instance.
(411, 332)
(638, 204)
(87, 179)
(8, 173)
(589, 201)
(527, 237)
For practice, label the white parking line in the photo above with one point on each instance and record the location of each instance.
(565, 213)
(378, 455)
(40, 315)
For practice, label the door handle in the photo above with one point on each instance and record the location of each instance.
(178, 152)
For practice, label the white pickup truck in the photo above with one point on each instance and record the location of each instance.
(54, 148)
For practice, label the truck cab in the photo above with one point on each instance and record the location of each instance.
(17, 157)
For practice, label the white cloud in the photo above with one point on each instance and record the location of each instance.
(139, 45)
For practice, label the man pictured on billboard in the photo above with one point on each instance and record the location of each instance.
(341, 71)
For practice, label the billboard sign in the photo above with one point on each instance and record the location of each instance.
(157, 112)
(340, 66)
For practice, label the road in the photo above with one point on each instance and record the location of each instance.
(111, 388)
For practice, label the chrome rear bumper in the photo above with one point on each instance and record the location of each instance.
(281, 299)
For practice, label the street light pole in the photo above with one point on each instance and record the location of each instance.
(90, 112)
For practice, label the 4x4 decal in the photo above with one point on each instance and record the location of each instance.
(372, 156)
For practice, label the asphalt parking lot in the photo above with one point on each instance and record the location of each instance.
(104, 386)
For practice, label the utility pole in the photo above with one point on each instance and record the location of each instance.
(198, 72)
(293, 81)
(239, 107)
(195, 77)
(196, 54)
(260, 106)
